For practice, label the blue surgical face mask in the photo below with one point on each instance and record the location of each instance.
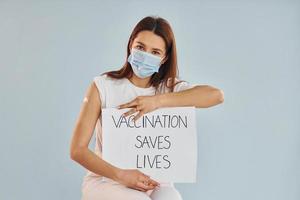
(143, 64)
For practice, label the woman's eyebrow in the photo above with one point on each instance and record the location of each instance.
(152, 48)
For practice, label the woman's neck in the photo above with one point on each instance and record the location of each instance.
(140, 82)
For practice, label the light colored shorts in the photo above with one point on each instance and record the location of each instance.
(107, 189)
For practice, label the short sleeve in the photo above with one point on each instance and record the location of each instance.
(184, 85)
(101, 86)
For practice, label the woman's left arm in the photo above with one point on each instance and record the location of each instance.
(200, 96)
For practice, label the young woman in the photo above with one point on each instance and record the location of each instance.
(147, 81)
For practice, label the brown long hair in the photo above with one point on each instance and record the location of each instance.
(168, 71)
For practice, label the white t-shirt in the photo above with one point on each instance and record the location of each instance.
(114, 92)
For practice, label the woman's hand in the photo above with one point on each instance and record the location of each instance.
(135, 179)
(141, 104)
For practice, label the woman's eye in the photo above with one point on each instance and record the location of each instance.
(155, 52)
(139, 46)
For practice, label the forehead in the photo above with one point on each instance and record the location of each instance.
(150, 40)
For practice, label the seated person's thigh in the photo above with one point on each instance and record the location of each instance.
(105, 190)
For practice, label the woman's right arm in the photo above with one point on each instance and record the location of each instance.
(82, 134)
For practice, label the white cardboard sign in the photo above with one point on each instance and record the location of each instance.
(161, 144)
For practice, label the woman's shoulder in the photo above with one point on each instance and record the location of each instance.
(101, 77)
(176, 80)
(106, 86)
(179, 84)
(105, 79)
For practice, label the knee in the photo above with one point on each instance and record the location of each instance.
(165, 193)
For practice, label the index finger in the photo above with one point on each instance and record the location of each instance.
(144, 186)
(150, 180)
(153, 182)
